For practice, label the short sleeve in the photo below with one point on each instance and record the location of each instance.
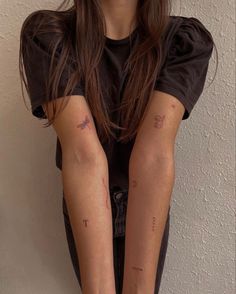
(184, 70)
(36, 59)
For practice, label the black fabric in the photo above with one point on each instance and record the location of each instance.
(188, 48)
(184, 71)
(37, 61)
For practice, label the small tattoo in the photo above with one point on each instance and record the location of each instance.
(136, 282)
(137, 268)
(153, 223)
(85, 221)
(134, 183)
(84, 123)
(107, 193)
(159, 121)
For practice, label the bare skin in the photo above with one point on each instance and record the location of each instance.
(85, 184)
(152, 170)
(107, 197)
(119, 16)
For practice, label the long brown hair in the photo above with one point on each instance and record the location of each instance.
(77, 34)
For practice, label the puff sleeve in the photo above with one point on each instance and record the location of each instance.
(36, 58)
(184, 70)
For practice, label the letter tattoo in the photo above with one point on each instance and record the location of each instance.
(159, 121)
(84, 123)
(134, 183)
(85, 222)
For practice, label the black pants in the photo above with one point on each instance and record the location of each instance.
(118, 253)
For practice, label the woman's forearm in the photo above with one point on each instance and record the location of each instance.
(150, 188)
(85, 186)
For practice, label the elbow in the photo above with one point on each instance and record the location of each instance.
(94, 156)
(155, 161)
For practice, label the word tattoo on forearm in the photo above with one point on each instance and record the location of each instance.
(85, 221)
(134, 183)
(85, 122)
(107, 193)
(153, 223)
(159, 119)
(137, 268)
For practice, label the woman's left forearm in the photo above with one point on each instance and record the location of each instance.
(150, 188)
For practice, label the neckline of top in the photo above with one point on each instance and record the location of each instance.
(126, 40)
(123, 40)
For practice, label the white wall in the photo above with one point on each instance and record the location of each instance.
(34, 257)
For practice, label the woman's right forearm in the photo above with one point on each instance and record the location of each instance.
(86, 190)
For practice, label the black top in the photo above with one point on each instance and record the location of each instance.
(183, 74)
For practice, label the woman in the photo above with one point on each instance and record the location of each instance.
(130, 66)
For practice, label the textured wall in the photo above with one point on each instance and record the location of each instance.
(33, 250)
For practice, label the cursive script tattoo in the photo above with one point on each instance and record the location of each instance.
(153, 223)
(85, 122)
(107, 193)
(137, 268)
(85, 221)
(159, 121)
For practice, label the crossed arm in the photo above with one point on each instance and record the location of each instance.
(85, 185)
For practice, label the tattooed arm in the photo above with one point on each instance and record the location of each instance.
(85, 185)
(151, 177)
